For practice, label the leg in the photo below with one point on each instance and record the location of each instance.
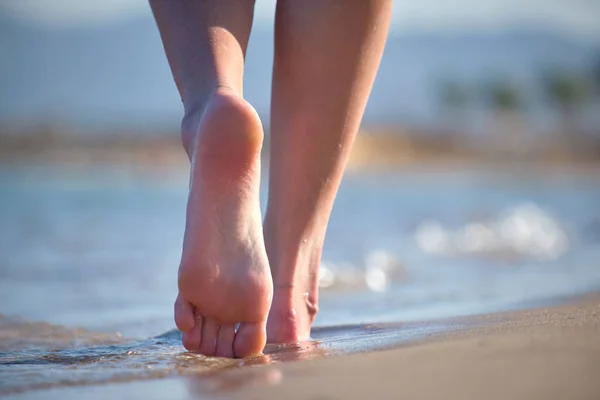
(326, 57)
(224, 278)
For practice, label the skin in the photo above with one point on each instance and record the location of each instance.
(234, 272)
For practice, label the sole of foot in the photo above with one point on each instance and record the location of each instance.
(225, 286)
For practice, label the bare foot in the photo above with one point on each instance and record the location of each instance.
(295, 296)
(224, 277)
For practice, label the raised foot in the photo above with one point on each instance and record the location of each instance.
(225, 285)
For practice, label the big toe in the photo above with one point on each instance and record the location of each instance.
(184, 314)
(250, 339)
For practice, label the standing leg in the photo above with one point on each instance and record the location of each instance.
(224, 277)
(326, 58)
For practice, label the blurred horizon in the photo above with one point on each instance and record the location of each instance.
(98, 69)
(572, 17)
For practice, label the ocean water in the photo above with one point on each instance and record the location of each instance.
(88, 265)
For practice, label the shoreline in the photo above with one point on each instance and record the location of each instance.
(170, 171)
(545, 352)
(375, 147)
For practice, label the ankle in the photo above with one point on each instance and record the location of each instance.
(293, 300)
(291, 316)
(294, 268)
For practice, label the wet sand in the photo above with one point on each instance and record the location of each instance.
(548, 352)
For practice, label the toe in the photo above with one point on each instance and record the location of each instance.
(192, 338)
(184, 314)
(225, 341)
(209, 337)
(250, 339)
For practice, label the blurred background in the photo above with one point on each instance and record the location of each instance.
(473, 186)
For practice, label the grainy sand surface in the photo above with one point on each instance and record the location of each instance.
(547, 353)
(544, 353)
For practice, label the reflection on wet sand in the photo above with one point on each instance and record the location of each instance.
(327, 341)
(219, 383)
(68, 357)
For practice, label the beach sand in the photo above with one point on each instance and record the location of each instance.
(543, 353)
(548, 353)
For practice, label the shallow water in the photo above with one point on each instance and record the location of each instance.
(52, 356)
(100, 251)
